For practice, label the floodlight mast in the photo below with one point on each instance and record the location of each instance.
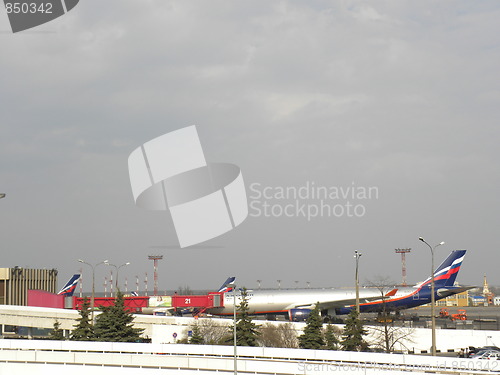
(433, 298)
(117, 268)
(92, 304)
(357, 255)
(232, 285)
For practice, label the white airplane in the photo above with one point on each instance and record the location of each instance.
(296, 304)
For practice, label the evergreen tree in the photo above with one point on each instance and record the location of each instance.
(196, 337)
(312, 338)
(331, 339)
(57, 333)
(246, 329)
(84, 330)
(352, 337)
(115, 324)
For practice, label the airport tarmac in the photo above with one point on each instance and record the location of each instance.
(478, 317)
(473, 312)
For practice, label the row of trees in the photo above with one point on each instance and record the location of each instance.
(351, 338)
(315, 336)
(218, 332)
(113, 324)
(116, 324)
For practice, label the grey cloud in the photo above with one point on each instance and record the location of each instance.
(399, 95)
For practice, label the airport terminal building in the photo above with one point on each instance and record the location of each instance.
(15, 283)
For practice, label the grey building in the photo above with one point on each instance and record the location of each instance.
(15, 282)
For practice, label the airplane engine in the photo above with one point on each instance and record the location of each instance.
(298, 315)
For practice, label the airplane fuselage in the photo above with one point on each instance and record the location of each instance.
(268, 302)
(281, 301)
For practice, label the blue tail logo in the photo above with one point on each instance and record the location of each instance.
(224, 287)
(70, 286)
(446, 274)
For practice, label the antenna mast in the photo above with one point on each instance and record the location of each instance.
(403, 262)
(155, 259)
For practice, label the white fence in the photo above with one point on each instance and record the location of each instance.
(417, 340)
(54, 357)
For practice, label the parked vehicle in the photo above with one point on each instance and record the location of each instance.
(444, 313)
(462, 315)
(487, 354)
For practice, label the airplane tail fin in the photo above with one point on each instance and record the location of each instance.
(68, 289)
(224, 287)
(446, 273)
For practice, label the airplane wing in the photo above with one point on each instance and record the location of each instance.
(346, 302)
(326, 305)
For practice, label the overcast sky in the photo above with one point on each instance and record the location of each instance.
(400, 96)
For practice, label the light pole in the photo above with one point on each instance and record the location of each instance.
(433, 297)
(233, 286)
(117, 268)
(357, 255)
(93, 284)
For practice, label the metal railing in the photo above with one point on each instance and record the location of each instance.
(212, 358)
